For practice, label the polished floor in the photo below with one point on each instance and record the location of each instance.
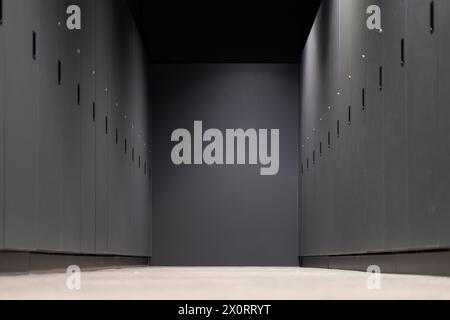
(223, 283)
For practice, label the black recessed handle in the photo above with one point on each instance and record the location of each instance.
(380, 81)
(34, 45)
(117, 136)
(106, 124)
(349, 116)
(125, 146)
(402, 52)
(432, 17)
(363, 98)
(93, 111)
(320, 149)
(329, 139)
(78, 94)
(1, 12)
(59, 72)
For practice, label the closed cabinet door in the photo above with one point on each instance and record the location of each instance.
(395, 124)
(49, 160)
(2, 116)
(422, 103)
(22, 54)
(89, 120)
(443, 119)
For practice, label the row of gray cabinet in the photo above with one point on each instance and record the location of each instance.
(375, 129)
(75, 143)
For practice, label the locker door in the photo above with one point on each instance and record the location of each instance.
(330, 51)
(355, 122)
(2, 114)
(395, 133)
(127, 187)
(443, 158)
(349, 220)
(20, 123)
(49, 129)
(422, 93)
(70, 103)
(375, 87)
(103, 128)
(307, 100)
(150, 195)
(89, 120)
(120, 61)
(141, 218)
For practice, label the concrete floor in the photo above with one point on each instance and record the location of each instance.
(222, 283)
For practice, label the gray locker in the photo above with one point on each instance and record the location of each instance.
(89, 120)
(2, 114)
(395, 130)
(70, 103)
(421, 100)
(375, 88)
(103, 128)
(121, 51)
(329, 106)
(126, 147)
(49, 129)
(20, 123)
(356, 122)
(349, 220)
(443, 118)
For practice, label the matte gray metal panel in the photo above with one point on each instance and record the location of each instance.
(71, 174)
(121, 50)
(354, 124)
(395, 133)
(374, 209)
(49, 130)
(443, 121)
(141, 83)
(20, 124)
(88, 126)
(103, 51)
(2, 123)
(423, 147)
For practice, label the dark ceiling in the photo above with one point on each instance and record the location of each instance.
(224, 30)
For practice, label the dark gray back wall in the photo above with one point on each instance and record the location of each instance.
(224, 215)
